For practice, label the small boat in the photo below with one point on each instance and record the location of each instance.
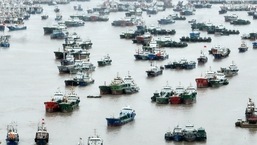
(164, 95)
(201, 134)
(175, 98)
(230, 71)
(154, 71)
(243, 47)
(95, 140)
(44, 17)
(219, 52)
(175, 135)
(16, 27)
(219, 79)
(42, 135)
(202, 58)
(166, 20)
(58, 17)
(70, 102)
(127, 114)
(5, 41)
(189, 133)
(106, 60)
(81, 79)
(93, 96)
(12, 137)
(189, 95)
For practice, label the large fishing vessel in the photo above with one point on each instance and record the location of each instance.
(42, 136)
(12, 137)
(127, 114)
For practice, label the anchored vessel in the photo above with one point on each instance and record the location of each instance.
(42, 136)
(127, 114)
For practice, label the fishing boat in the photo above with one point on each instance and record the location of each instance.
(81, 65)
(42, 135)
(127, 114)
(203, 81)
(129, 85)
(189, 95)
(219, 52)
(12, 137)
(5, 41)
(53, 104)
(175, 98)
(70, 102)
(16, 27)
(154, 71)
(81, 79)
(44, 17)
(176, 135)
(166, 20)
(201, 134)
(202, 58)
(95, 140)
(189, 133)
(165, 94)
(243, 47)
(250, 116)
(105, 89)
(106, 60)
(230, 71)
(219, 79)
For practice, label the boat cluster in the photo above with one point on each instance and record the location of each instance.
(62, 102)
(189, 134)
(216, 79)
(179, 95)
(41, 136)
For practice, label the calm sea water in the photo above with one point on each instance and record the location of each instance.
(29, 76)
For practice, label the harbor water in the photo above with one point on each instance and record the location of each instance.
(29, 77)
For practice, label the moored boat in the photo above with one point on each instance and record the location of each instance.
(154, 71)
(165, 94)
(127, 114)
(12, 137)
(175, 98)
(70, 102)
(53, 104)
(202, 58)
(95, 140)
(189, 95)
(175, 135)
(250, 116)
(81, 79)
(243, 47)
(106, 60)
(189, 133)
(230, 71)
(254, 44)
(16, 27)
(42, 135)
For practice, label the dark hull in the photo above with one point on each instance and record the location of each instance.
(117, 121)
(153, 74)
(41, 141)
(105, 90)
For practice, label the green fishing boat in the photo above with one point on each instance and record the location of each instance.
(70, 102)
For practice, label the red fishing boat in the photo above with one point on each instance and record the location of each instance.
(203, 82)
(53, 104)
(176, 97)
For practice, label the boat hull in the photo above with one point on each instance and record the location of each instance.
(118, 122)
(51, 107)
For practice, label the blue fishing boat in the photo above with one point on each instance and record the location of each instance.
(126, 115)
(176, 135)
